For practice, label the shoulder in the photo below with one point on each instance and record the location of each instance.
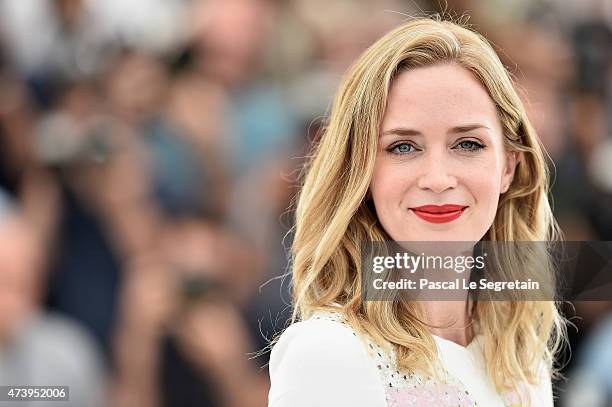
(66, 354)
(61, 341)
(542, 390)
(539, 393)
(322, 361)
(324, 340)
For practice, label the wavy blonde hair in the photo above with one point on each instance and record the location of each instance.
(333, 216)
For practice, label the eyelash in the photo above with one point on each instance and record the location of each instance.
(475, 147)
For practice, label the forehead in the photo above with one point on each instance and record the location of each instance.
(438, 95)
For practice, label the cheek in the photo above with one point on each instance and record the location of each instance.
(485, 191)
(483, 170)
(389, 184)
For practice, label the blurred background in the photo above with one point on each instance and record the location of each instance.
(149, 151)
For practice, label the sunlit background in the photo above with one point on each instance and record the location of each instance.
(149, 151)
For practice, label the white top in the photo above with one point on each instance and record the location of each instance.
(323, 362)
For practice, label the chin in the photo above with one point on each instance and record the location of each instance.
(440, 237)
(443, 234)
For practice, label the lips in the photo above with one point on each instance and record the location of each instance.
(439, 213)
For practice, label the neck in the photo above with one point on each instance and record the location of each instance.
(450, 320)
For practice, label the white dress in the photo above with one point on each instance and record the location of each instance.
(323, 362)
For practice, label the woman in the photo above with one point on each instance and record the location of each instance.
(427, 117)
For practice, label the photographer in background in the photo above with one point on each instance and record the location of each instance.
(37, 347)
(180, 339)
(117, 209)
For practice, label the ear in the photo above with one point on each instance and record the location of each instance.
(512, 160)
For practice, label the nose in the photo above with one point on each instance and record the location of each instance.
(436, 173)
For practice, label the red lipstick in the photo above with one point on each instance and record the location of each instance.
(439, 213)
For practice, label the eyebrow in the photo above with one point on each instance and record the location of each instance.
(402, 131)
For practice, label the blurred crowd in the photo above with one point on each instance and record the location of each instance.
(149, 151)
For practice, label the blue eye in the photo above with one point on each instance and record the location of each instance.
(469, 145)
(402, 148)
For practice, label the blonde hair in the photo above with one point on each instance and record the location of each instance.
(333, 217)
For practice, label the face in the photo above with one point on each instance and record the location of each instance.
(441, 164)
